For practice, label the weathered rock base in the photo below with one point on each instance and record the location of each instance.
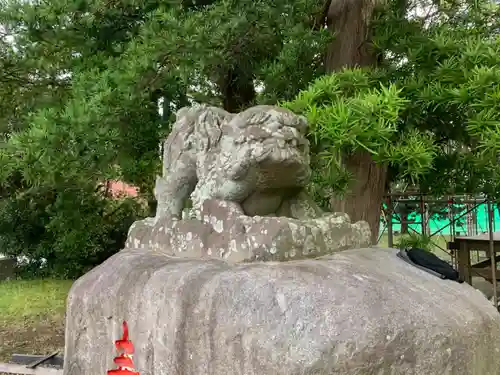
(356, 312)
(223, 231)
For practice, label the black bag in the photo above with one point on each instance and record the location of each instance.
(428, 261)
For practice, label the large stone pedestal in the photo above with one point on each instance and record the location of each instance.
(357, 312)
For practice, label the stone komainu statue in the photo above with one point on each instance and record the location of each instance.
(246, 176)
(258, 159)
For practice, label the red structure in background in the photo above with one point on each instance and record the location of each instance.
(124, 359)
(119, 188)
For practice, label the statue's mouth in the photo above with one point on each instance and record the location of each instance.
(288, 145)
(283, 163)
(272, 157)
(283, 150)
(279, 149)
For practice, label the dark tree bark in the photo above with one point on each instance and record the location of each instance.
(404, 219)
(364, 198)
(350, 21)
(238, 91)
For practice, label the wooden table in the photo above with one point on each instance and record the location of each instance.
(463, 247)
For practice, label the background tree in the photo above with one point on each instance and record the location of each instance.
(53, 209)
(352, 24)
(436, 137)
(86, 79)
(117, 62)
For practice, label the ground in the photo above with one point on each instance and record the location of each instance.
(32, 316)
(32, 313)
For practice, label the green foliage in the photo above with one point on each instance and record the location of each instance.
(81, 82)
(65, 233)
(62, 144)
(446, 63)
(415, 240)
(109, 119)
(429, 111)
(351, 111)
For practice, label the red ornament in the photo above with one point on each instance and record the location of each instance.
(122, 371)
(124, 359)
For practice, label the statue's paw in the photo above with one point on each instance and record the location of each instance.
(138, 232)
(220, 209)
(337, 217)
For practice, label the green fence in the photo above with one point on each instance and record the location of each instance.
(436, 222)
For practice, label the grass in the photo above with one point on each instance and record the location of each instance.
(32, 316)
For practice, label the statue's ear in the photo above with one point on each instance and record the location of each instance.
(208, 127)
(172, 147)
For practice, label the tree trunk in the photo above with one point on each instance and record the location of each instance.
(238, 91)
(364, 198)
(350, 21)
(404, 218)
